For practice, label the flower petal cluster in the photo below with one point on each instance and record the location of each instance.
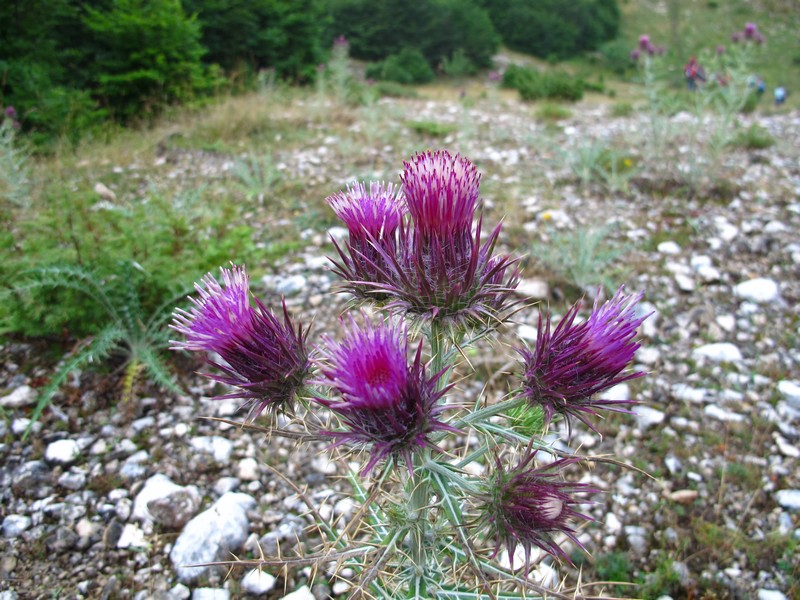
(386, 403)
(577, 360)
(527, 506)
(437, 266)
(264, 358)
(372, 217)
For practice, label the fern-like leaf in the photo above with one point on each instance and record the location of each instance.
(88, 351)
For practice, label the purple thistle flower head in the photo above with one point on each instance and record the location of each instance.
(527, 506)
(441, 192)
(386, 403)
(575, 361)
(736, 37)
(372, 218)
(758, 38)
(442, 269)
(635, 54)
(750, 30)
(644, 42)
(11, 112)
(373, 214)
(262, 356)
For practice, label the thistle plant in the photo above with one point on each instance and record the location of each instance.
(385, 389)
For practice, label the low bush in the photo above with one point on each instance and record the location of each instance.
(753, 138)
(536, 85)
(407, 67)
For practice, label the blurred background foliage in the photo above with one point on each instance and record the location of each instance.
(69, 67)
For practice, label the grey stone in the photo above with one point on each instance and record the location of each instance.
(14, 525)
(760, 290)
(31, 479)
(211, 594)
(669, 247)
(788, 499)
(303, 593)
(647, 417)
(61, 540)
(219, 447)
(165, 502)
(715, 412)
(771, 595)
(74, 479)
(719, 352)
(131, 537)
(62, 452)
(212, 535)
(790, 391)
(257, 582)
(24, 395)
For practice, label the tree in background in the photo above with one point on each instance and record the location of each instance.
(548, 28)
(147, 53)
(286, 35)
(377, 29)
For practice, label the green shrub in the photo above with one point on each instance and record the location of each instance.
(377, 29)
(458, 65)
(392, 89)
(553, 112)
(432, 128)
(535, 85)
(289, 36)
(547, 28)
(753, 138)
(407, 67)
(621, 109)
(147, 54)
(616, 55)
(171, 237)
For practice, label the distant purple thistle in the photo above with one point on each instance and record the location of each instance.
(341, 42)
(736, 37)
(264, 358)
(750, 30)
(528, 506)
(372, 218)
(635, 54)
(11, 112)
(575, 361)
(758, 38)
(387, 404)
(644, 42)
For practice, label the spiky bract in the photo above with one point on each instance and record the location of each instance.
(572, 363)
(386, 403)
(527, 506)
(264, 358)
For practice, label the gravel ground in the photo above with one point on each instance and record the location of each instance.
(109, 501)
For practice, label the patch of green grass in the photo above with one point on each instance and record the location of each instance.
(586, 257)
(754, 137)
(621, 109)
(552, 112)
(431, 128)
